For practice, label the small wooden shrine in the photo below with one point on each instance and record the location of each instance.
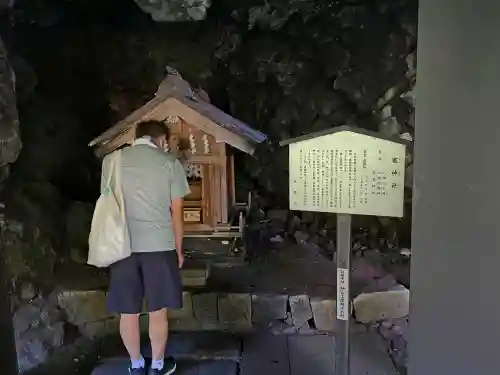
(204, 138)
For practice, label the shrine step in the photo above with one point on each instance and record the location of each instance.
(216, 252)
(200, 353)
(201, 346)
(119, 366)
(195, 274)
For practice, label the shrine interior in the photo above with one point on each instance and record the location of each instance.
(72, 69)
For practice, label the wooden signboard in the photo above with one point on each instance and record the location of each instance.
(346, 171)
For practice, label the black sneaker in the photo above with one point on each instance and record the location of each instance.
(136, 371)
(169, 367)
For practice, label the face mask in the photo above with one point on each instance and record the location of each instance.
(164, 145)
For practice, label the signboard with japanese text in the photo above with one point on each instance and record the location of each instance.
(347, 172)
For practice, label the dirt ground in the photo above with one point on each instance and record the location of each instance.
(283, 268)
(287, 268)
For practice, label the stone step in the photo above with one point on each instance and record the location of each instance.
(201, 346)
(119, 366)
(210, 311)
(195, 277)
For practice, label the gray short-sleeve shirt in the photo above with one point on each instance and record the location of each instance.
(151, 178)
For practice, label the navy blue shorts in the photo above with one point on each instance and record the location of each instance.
(154, 276)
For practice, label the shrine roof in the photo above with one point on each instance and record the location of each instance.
(175, 97)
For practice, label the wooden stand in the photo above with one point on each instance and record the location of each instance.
(343, 294)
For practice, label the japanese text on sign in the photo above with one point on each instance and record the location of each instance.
(347, 172)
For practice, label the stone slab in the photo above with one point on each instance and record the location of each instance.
(205, 310)
(391, 304)
(369, 355)
(235, 311)
(185, 311)
(84, 306)
(300, 308)
(268, 307)
(194, 277)
(120, 367)
(311, 355)
(208, 368)
(187, 308)
(101, 329)
(324, 314)
(183, 324)
(265, 355)
(201, 346)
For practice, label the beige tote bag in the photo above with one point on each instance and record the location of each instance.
(109, 239)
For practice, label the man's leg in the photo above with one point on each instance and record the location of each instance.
(163, 290)
(125, 297)
(131, 337)
(158, 333)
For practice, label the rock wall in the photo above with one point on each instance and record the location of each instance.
(314, 65)
(10, 140)
(175, 10)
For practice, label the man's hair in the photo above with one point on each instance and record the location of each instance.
(153, 128)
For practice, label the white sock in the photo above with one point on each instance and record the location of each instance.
(157, 364)
(138, 363)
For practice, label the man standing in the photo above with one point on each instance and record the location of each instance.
(154, 187)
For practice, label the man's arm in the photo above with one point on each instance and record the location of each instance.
(178, 190)
(177, 207)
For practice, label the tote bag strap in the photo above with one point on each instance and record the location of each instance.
(111, 168)
(117, 170)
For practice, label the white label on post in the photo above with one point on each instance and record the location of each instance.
(342, 294)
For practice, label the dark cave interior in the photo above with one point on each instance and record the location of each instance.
(286, 67)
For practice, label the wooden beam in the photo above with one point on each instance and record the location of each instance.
(206, 196)
(206, 125)
(231, 181)
(223, 185)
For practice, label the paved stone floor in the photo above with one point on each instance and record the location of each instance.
(224, 354)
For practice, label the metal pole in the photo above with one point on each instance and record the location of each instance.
(7, 344)
(343, 294)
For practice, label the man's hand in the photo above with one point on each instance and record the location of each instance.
(180, 257)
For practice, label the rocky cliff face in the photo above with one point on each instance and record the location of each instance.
(285, 67)
(10, 138)
(175, 10)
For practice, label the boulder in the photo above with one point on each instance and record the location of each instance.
(29, 254)
(378, 306)
(38, 330)
(175, 10)
(84, 306)
(10, 140)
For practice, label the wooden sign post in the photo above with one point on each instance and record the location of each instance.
(347, 171)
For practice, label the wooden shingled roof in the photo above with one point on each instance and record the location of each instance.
(175, 97)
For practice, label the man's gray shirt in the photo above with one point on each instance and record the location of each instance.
(151, 178)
